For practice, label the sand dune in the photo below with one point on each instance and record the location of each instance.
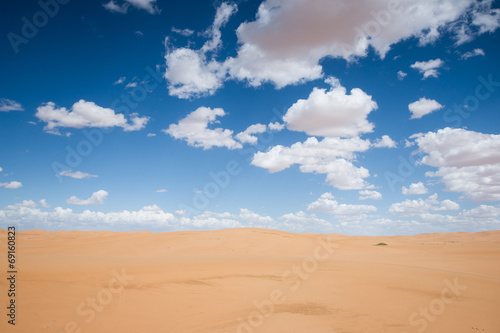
(253, 280)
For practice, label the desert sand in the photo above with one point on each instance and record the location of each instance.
(252, 280)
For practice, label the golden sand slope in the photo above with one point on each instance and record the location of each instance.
(252, 280)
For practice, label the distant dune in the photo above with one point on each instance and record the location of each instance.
(252, 280)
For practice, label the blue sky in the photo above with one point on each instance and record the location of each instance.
(366, 118)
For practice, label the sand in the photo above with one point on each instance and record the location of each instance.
(252, 280)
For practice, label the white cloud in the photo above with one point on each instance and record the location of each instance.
(422, 107)
(194, 130)
(86, 114)
(161, 190)
(131, 85)
(481, 212)
(301, 221)
(401, 75)
(7, 105)
(421, 206)
(332, 113)
(147, 5)
(120, 80)
(12, 185)
(43, 203)
(24, 204)
(276, 126)
(113, 7)
(76, 174)
(247, 135)
(180, 212)
(473, 53)
(139, 33)
(467, 161)
(415, 188)
(331, 156)
(385, 142)
(1, 169)
(222, 16)
(428, 68)
(97, 198)
(183, 32)
(371, 195)
(190, 73)
(327, 204)
(150, 135)
(488, 20)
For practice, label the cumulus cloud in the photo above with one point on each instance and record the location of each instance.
(415, 188)
(276, 126)
(428, 68)
(97, 198)
(247, 135)
(12, 185)
(190, 74)
(372, 195)
(331, 156)
(194, 130)
(332, 112)
(86, 114)
(421, 206)
(327, 204)
(422, 107)
(193, 73)
(76, 174)
(385, 142)
(147, 5)
(7, 105)
(43, 203)
(473, 53)
(467, 161)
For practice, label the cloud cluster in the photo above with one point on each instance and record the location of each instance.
(288, 38)
(331, 156)
(86, 114)
(421, 206)
(467, 161)
(327, 204)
